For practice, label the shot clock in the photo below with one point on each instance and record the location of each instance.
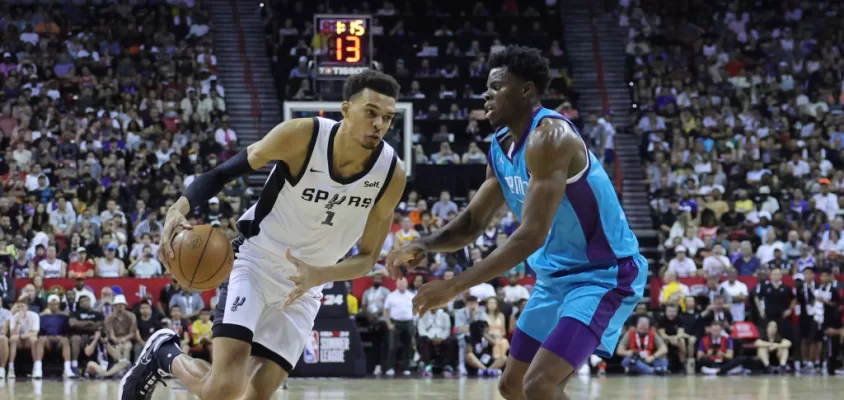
(346, 45)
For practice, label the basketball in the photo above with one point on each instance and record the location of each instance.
(204, 257)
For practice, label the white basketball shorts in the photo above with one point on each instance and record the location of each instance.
(250, 309)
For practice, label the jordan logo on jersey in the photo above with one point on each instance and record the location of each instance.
(318, 196)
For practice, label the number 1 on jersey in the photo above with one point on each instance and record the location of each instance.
(329, 216)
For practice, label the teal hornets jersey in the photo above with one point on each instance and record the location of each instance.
(589, 228)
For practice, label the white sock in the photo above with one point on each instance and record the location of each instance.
(67, 365)
(74, 363)
(11, 366)
(37, 365)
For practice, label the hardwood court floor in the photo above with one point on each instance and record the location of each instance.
(614, 388)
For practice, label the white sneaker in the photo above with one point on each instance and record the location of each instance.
(584, 370)
(709, 370)
(11, 374)
(68, 374)
(377, 370)
(2, 373)
(406, 372)
(463, 371)
(36, 373)
(391, 372)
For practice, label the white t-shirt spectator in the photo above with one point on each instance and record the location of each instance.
(31, 322)
(399, 305)
(482, 291)
(765, 252)
(224, 136)
(514, 293)
(827, 203)
(683, 269)
(147, 268)
(734, 289)
(716, 265)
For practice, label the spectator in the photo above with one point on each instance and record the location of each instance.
(776, 301)
(737, 291)
(716, 355)
(435, 342)
(681, 265)
(23, 334)
(122, 328)
(100, 357)
(406, 234)
(482, 291)
(398, 315)
(83, 291)
(514, 292)
(52, 267)
(29, 297)
(5, 316)
(829, 294)
(643, 350)
(772, 342)
(716, 311)
(673, 291)
(747, 263)
(479, 350)
(442, 208)
(497, 328)
(445, 156)
(180, 325)
(190, 302)
(463, 319)
(717, 263)
(7, 285)
(147, 325)
(673, 331)
(82, 267)
(147, 266)
(225, 134)
(85, 323)
(110, 266)
(54, 335)
(200, 334)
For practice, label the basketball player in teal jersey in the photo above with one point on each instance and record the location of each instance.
(573, 234)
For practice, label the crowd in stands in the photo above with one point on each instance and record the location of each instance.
(440, 67)
(107, 112)
(738, 108)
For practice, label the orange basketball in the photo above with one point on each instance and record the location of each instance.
(204, 257)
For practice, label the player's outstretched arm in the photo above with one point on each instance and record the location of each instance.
(283, 143)
(374, 233)
(549, 152)
(458, 233)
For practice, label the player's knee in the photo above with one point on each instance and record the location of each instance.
(76, 340)
(539, 385)
(64, 341)
(510, 388)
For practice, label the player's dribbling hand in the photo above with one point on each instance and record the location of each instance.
(410, 255)
(305, 278)
(433, 295)
(174, 222)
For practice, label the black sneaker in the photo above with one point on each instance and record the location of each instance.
(145, 374)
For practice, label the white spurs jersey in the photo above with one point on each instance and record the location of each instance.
(317, 214)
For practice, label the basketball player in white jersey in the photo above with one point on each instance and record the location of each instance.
(333, 183)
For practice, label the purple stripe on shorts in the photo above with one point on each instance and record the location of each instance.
(523, 346)
(585, 206)
(572, 341)
(627, 273)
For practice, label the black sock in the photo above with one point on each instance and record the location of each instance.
(166, 354)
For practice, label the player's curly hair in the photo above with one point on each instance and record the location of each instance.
(525, 62)
(373, 80)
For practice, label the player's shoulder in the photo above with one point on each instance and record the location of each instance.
(553, 135)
